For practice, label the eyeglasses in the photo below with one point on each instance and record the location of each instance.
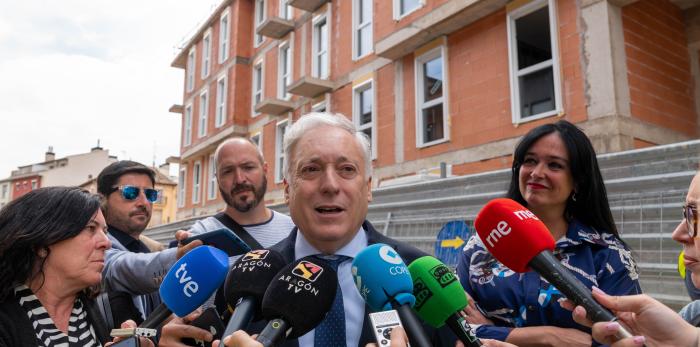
(691, 218)
(132, 193)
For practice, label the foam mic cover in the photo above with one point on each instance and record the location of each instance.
(298, 298)
(512, 233)
(246, 283)
(382, 277)
(385, 283)
(439, 297)
(519, 240)
(189, 283)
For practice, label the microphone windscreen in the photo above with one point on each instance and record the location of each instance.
(512, 233)
(251, 274)
(438, 293)
(381, 276)
(301, 294)
(193, 279)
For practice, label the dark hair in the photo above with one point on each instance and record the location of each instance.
(110, 175)
(34, 221)
(591, 205)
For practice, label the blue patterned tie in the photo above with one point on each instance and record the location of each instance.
(331, 331)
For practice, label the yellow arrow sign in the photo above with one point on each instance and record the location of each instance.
(453, 243)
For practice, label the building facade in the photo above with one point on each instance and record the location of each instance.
(71, 170)
(434, 82)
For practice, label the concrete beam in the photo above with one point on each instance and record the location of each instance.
(211, 142)
(451, 16)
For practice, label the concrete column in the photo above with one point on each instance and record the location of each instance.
(398, 111)
(604, 62)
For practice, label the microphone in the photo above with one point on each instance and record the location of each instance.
(385, 283)
(246, 284)
(439, 296)
(519, 240)
(188, 284)
(297, 299)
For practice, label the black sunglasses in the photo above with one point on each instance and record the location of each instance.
(691, 218)
(132, 192)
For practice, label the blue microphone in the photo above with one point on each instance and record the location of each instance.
(385, 283)
(189, 283)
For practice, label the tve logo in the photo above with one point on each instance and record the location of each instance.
(190, 287)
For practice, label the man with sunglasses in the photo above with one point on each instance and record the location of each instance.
(131, 269)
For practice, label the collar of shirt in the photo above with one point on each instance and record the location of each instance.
(128, 241)
(353, 304)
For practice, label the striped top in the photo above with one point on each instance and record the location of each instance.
(80, 331)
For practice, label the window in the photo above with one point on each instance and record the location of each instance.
(279, 150)
(256, 139)
(285, 10)
(319, 107)
(3, 195)
(188, 125)
(534, 65)
(191, 63)
(320, 48)
(161, 198)
(221, 90)
(404, 7)
(259, 19)
(206, 53)
(34, 184)
(362, 27)
(196, 181)
(211, 182)
(257, 84)
(203, 110)
(285, 70)
(363, 111)
(223, 37)
(430, 99)
(181, 188)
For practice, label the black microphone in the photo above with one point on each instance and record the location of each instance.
(246, 283)
(297, 299)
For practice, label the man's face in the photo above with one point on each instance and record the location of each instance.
(241, 175)
(691, 246)
(130, 216)
(328, 194)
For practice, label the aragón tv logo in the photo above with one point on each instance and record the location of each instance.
(307, 270)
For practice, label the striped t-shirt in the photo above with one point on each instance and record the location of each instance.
(80, 331)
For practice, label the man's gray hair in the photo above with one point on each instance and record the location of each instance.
(319, 119)
(234, 139)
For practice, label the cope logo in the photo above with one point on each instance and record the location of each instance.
(307, 270)
(389, 255)
(421, 292)
(443, 275)
(258, 254)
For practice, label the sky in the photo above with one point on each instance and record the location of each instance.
(75, 71)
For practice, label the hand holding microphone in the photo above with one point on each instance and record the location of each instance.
(519, 240)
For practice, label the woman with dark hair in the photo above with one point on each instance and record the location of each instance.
(555, 174)
(52, 248)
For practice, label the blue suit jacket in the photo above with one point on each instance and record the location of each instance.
(439, 337)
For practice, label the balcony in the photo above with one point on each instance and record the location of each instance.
(274, 106)
(307, 5)
(275, 27)
(310, 87)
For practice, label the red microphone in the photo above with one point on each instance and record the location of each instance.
(519, 240)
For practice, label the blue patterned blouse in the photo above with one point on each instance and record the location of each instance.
(514, 300)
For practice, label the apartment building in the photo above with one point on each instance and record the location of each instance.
(431, 82)
(71, 170)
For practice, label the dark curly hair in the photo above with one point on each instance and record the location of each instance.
(35, 221)
(591, 206)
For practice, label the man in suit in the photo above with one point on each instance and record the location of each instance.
(328, 186)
